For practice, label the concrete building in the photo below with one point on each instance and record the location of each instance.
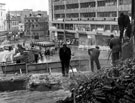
(36, 27)
(2, 17)
(86, 21)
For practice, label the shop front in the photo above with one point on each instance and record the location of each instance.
(70, 38)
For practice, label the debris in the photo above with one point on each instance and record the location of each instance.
(111, 85)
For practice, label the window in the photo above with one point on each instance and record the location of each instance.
(115, 28)
(87, 14)
(111, 2)
(59, 16)
(101, 3)
(59, 7)
(72, 6)
(88, 4)
(124, 2)
(72, 15)
(107, 14)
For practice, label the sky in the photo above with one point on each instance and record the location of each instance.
(12, 5)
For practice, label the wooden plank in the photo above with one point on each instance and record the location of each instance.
(54, 65)
(37, 67)
(13, 68)
(42, 67)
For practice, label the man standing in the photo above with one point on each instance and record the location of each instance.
(94, 55)
(124, 24)
(65, 56)
(115, 46)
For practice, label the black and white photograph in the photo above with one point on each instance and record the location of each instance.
(67, 51)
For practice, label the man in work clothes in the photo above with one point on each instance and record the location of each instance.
(94, 55)
(124, 24)
(65, 56)
(115, 46)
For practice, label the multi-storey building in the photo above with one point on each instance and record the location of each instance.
(36, 27)
(26, 12)
(2, 17)
(86, 20)
(13, 23)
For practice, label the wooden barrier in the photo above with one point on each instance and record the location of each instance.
(41, 67)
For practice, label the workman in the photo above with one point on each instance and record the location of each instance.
(94, 57)
(115, 46)
(65, 56)
(124, 25)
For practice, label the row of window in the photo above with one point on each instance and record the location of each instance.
(87, 27)
(92, 4)
(31, 20)
(89, 14)
(14, 23)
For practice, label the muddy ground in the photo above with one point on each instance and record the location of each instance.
(26, 96)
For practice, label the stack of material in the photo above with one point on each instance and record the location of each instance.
(111, 85)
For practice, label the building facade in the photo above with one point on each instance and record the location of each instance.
(26, 12)
(2, 17)
(86, 20)
(36, 27)
(13, 23)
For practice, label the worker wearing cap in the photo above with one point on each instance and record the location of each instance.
(94, 57)
(65, 56)
(115, 46)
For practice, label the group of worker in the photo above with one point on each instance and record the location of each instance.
(115, 44)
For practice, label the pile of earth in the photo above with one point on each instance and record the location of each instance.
(110, 85)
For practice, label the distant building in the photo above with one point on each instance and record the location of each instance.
(13, 23)
(15, 20)
(26, 12)
(36, 27)
(2, 17)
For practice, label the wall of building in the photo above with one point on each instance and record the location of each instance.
(13, 23)
(26, 13)
(36, 27)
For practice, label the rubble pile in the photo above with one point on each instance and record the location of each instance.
(41, 82)
(110, 85)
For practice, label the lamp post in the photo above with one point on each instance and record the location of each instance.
(64, 21)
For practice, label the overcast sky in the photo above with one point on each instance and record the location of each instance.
(26, 4)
